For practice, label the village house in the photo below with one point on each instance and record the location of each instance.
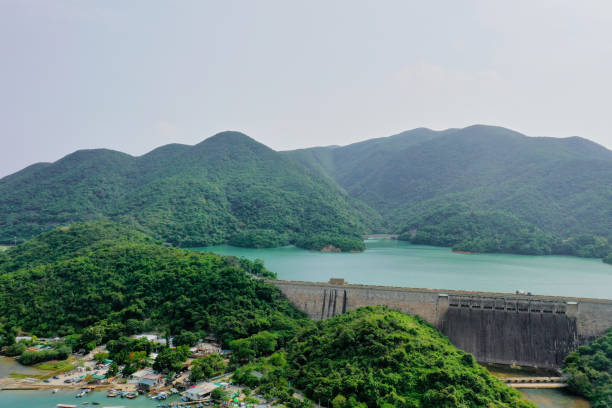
(201, 391)
(146, 379)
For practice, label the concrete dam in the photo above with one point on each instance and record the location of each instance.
(535, 331)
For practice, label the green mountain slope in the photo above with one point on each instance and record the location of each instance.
(186, 195)
(382, 358)
(94, 280)
(558, 186)
(68, 242)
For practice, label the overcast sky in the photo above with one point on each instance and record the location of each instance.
(134, 75)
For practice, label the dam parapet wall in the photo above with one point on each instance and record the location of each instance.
(503, 328)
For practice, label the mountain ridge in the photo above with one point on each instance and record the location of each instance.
(230, 185)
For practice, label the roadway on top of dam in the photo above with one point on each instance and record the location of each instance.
(531, 297)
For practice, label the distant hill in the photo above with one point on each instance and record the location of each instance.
(477, 189)
(227, 186)
(555, 187)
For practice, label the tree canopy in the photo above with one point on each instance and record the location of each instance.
(377, 356)
(590, 370)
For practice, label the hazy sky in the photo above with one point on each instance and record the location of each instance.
(133, 75)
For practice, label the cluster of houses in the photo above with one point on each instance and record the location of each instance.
(147, 379)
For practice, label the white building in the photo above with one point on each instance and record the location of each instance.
(201, 391)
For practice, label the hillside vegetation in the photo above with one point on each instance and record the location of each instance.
(127, 286)
(500, 187)
(478, 189)
(99, 293)
(376, 357)
(78, 239)
(226, 188)
(590, 370)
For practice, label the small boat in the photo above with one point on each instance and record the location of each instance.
(55, 390)
(66, 406)
(161, 396)
(112, 393)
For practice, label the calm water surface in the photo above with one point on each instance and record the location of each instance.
(46, 399)
(9, 365)
(397, 263)
(546, 398)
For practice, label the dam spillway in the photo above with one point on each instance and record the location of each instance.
(536, 331)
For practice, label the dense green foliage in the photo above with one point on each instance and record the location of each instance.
(494, 231)
(206, 367)
(227, 187)
(185, 338)
(68, 242)
(121, 289)
(34, 357)
(130, 351)
(590, 370)
(608, 259)
(539, 188)
(380, 356)
(261, 238)
(331, 242)
(270, 377)
(15, 349)
(171, 359)
(257, 345)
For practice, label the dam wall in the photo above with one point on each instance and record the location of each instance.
(536, 331)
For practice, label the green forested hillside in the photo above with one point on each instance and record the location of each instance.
(375, 357)
(479, 189)
(186, 195)
(561, 187)
(68, 242)
(590, 371)
(118, 287)
(100, 291)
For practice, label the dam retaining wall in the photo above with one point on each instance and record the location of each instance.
(537, 331)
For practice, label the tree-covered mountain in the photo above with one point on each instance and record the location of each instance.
(124, 284)
(187, 195)
(560, 187)
(377, 357)
(478, 189)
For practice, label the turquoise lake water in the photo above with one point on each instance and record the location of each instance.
(46, 399)
(397, 263)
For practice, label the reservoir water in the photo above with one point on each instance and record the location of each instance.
(396, 263)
